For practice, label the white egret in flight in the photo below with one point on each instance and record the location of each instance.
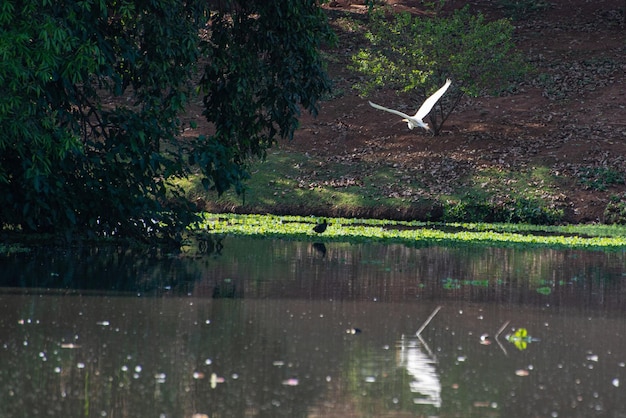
(415, 121)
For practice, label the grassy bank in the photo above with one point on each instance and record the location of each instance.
(294, 183)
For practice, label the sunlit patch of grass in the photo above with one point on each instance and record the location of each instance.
(417, 233)
(290, 181)
(599, 178)
(498, 195)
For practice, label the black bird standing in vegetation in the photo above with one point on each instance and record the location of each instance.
(319, 228)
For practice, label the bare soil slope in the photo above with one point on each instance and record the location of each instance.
(571, 119)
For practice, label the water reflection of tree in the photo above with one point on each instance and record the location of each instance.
(108, 268)
(400, 273)
(261, 268)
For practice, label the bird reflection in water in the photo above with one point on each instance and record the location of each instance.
(426, 384)
(208, 244)
(320, 248)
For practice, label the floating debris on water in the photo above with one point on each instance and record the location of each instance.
(215, 379)
(69, 345)
(485, 404)
(291, 382)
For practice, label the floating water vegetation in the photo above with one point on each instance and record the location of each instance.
(8, 249)
(597, 237)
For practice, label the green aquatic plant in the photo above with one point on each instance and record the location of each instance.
(8, 249)
(545, 290)
(416, 233)
(521, 339)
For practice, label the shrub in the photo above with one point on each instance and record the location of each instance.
(520, 210)
(416, 54)
(522, 9)
(615, 211)
(599, 178)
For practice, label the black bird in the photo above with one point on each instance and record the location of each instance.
(319, 228)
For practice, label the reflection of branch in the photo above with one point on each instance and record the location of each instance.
(430, 352)
(425, 324)
(498, 334)
(502, 328)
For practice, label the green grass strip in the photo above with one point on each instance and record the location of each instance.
(602, 237)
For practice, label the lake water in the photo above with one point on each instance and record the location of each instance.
(264, 328)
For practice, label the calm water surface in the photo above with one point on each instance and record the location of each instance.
(261, 328)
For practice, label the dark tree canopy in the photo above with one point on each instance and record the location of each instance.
(91, 93)
(263, 63)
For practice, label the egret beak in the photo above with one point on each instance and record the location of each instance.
(411, 126)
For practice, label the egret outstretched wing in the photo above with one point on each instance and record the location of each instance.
(395, 112)
(415, 121)
(430, 102)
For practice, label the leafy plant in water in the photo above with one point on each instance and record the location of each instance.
(545, 290)
(415, 233)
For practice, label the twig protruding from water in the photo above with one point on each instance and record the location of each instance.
(502, 328)
(425, 324)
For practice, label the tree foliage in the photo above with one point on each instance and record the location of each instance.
(91, 93)
(263, 64)
(416, 54)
